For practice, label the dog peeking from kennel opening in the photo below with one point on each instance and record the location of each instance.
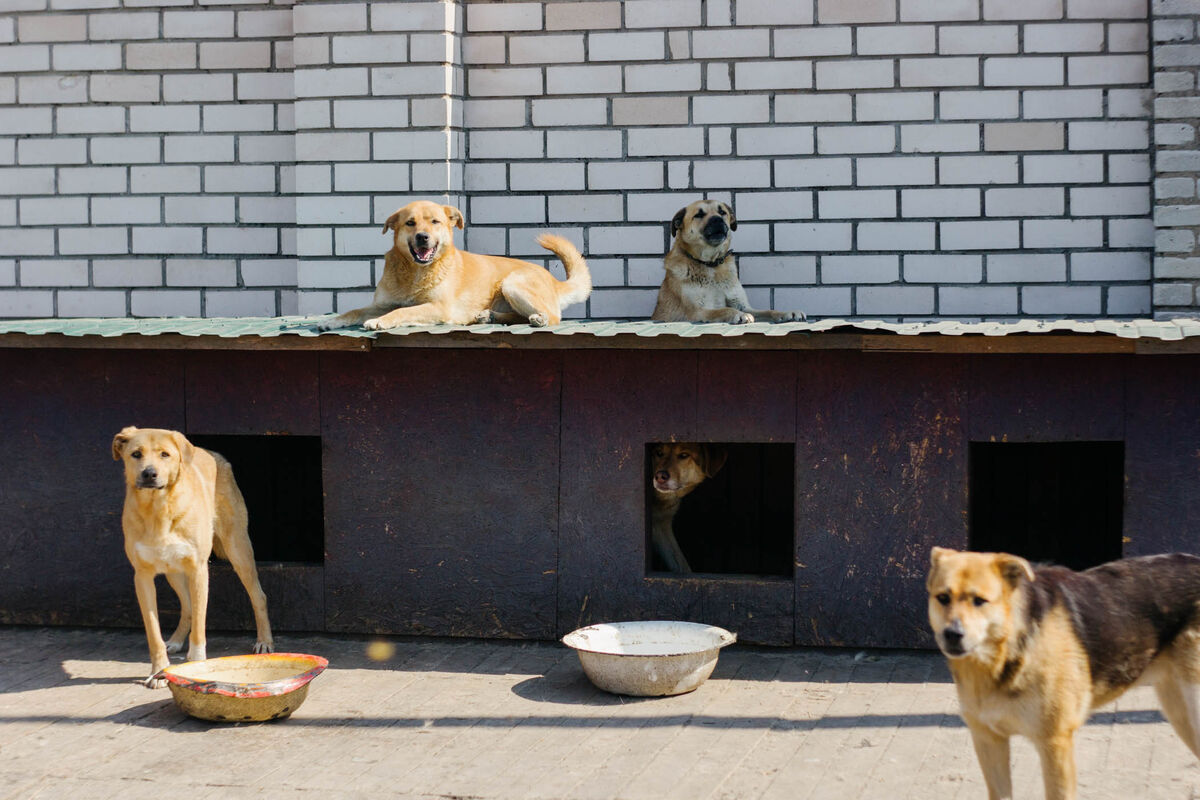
(719, 508)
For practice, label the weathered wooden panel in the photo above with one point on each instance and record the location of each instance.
(62, 559)
(614, 403)
(1046, 398)
(881, 476)
(1162, 456)
(441, 481)
(253, 393)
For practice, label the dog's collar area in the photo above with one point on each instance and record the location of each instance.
(716, 262)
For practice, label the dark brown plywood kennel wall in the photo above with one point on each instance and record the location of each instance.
(494, 484)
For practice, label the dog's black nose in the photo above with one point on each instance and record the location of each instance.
(149, 474)
(715, 230)
(421, 239)
(662, 476)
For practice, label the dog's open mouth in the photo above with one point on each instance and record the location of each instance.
(423, 255)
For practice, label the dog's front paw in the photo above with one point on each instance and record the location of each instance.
(198, 652)
(537, 320)
(264, 647)
(332, 324)
(485, 317)
(376, 324)
(174, 646)
(155, 681)
(740, 318)
(791, 316)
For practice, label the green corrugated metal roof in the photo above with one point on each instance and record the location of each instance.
(1164, 330)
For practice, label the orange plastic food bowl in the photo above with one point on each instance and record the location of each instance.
(249, 688)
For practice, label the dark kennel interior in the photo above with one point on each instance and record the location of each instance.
(280, 479)
(1057, 502)
(740, 521)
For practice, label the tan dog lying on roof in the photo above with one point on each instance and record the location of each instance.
(427, 280)
(181, 504)
(701, 284)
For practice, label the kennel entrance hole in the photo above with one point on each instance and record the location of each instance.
(740, 521)
(1059, 502)
(280, 478)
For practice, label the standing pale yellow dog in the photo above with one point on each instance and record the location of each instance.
(427, 280)
(181, 504)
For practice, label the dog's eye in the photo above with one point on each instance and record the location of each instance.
(944, 599)
(165, 454)
(437, 222)
(136, 454)
(978, 601)
(721, 212)
(658, 453)
(684, 456)
(411, 223)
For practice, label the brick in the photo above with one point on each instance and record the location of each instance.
(768, 205)
(981, 39)
(822, 41)
(593, 16)
(38, 89)
(856, 139)
(816, 301)
(1025, 202)
(411, 80)
(1174, 133)
(412, 16)
(1064, 233)
(1112, 201)
(547, 176)
(198, 24)
(493, 113)
(336, 82)
(310, 50)
(123, 26)
(26, 120)
(885, 106)
(988, 104)
(772, 13)
(207, 208)
(1060, 300)
(582, 80)
(124, 88)
(93, 240)
(813, 172)
(240, 117)
(940, 202)
(896, 171)
(164, 118)
(894, 300)
(629, 175)
(160, 55)
(90, 119)
(938, 138)
(52, 151)
(896, 236)
(1063, 103)
(53, 210)
(52, 28)
(506, 144)
(333, 147)
(940, 71)
(504, 17)
(175, 240)
(1177, 160)
(621, 239)
(264, 23)
(567, 112)
(921, 268)
(860, 269)
(855, 74)
(126, 210)
(546, 49)
(584, 144)
(662, 13)
(980, 300)
(649, 110)
(86, 57)
(1064, 38)
(812, 108)
(1022, 9)
(1111, 266)
(666, 141)
(1063, 169)
(215, 87)
(1132, 135)
(939, 11)
(269, 272)
(27, 180)
(737, 109)
(896, 39)
(309, 18)
(155, 180)
(854, 11)
(260, 149)
(662, 78)
(777, 139)
(1172, 188)
(1133, 37)
(417, 145)
(1019, 136)
(856, 204)
(1106, 9)
(1107, 70)
(27, 242)
(126, 150)
(95, 180)
(980, 235)
(164, 303)
(1133, 301)
(237, 241)
(280, 210)
(1027, 268)
(777, 74)
(235, 55)
(732, 44)
(1023, 71)
(819, 237)
(201, 272)
(714, 173)
(585, 208)
(772, 270)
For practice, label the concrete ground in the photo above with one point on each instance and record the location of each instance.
(515, 720)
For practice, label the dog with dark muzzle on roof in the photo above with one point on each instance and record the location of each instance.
(701, 284)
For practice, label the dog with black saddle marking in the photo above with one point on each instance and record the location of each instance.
(1033, 649)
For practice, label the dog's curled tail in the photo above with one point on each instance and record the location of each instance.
(578, 285)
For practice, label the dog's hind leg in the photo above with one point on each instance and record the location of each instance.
(993, 754)
(178, 582)
(1180, 701)
(241, 556)
(527, 299)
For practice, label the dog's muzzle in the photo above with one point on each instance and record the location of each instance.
(422, 248)
(951, 640)
(715, 230)
(148, 479)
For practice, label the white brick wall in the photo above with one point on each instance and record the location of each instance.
(895, 158)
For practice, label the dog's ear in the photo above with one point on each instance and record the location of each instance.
(120, 440)
(714, 458)
(187, 450)
(938, 553)
(1014, 569)
(389, 224)
(677, 220)
(732, 218)
(455, 216)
